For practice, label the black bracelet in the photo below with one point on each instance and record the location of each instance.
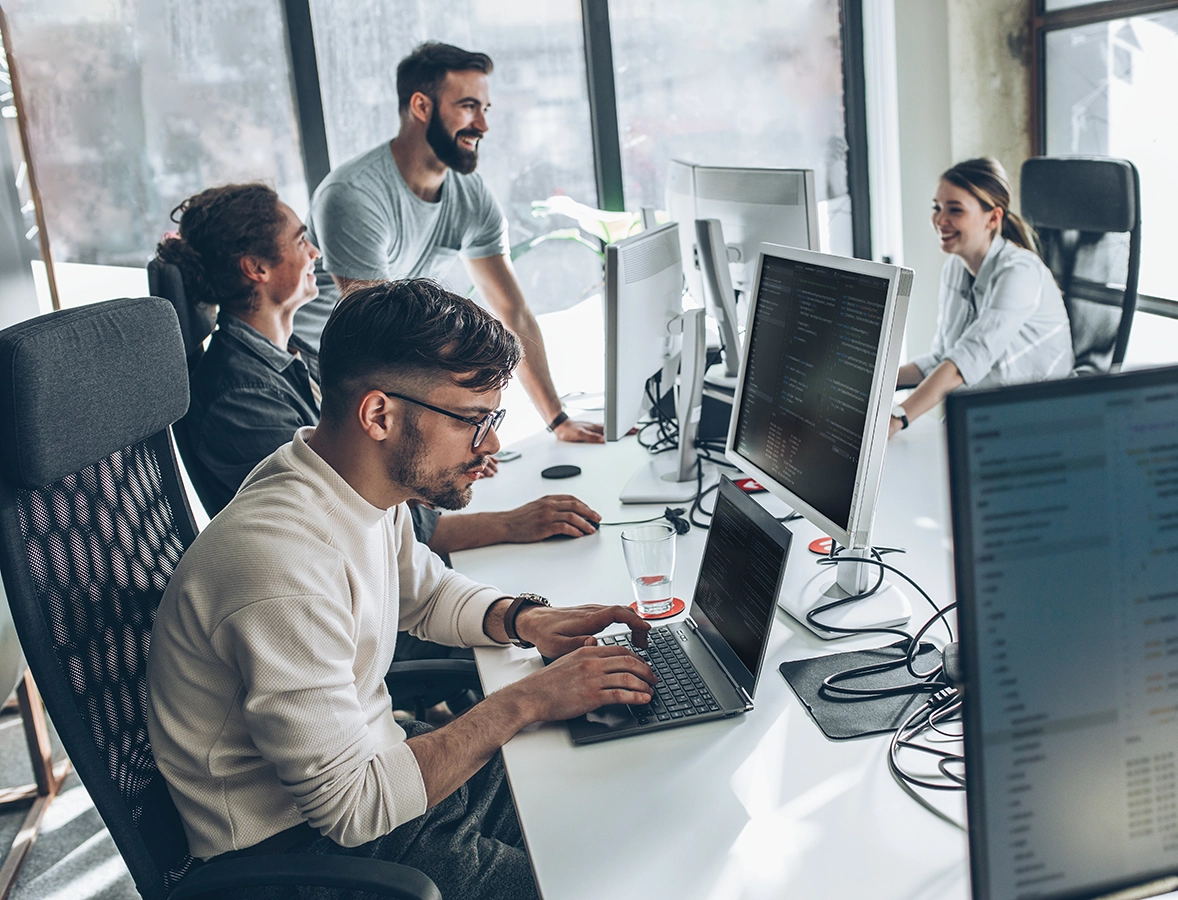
(561, 418)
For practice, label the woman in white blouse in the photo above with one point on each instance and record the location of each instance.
(1000, 316)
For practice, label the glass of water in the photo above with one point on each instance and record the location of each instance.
(650, 558)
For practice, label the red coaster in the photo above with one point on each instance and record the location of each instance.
(677, 606)
(821, 546)
(748, 485)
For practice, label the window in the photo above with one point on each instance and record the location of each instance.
(746, 84)
(134, 106)
(538, 143)
(1106, 88)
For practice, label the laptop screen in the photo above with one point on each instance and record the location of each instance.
(739, 579)
(1065, 525)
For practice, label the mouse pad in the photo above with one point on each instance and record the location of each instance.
(841, 719)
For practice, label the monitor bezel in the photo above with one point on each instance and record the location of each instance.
(958, 405)
(857, 532)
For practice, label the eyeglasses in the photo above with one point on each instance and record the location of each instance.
(482, 426)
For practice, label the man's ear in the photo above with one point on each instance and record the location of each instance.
(379, 417)
(421, 107)
(255, 269)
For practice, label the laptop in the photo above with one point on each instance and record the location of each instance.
(709, 663)
(1065, 533)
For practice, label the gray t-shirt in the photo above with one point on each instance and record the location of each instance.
(370, 227)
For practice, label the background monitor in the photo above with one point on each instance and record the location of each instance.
(648, 333)
(643, 298)
(751, 207)
(1065, 509)
(813, 401)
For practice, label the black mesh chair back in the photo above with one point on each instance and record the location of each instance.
(1087, 213)
(197, 321)
(93, 520)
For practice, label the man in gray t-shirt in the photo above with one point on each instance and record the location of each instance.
(409, 207)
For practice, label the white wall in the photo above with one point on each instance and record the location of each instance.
(963, 85)
(925, 144)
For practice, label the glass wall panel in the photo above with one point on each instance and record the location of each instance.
(757, 83)
(538, 143)
(1109, 92)
(133, 105)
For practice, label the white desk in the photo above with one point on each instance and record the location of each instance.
(758, 806)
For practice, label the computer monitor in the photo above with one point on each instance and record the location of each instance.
(743, 208)
(1065, 509)
(647, 333)
(812, 407)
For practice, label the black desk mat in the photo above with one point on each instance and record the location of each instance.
(842, 719)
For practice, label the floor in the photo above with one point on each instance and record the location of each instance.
(74, 857)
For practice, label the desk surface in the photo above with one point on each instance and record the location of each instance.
(758, 806)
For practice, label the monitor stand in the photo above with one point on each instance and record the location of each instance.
(674, 478)
(888, 607)
(717, 376)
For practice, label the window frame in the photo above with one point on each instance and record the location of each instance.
(603, 114)
(1042, 24)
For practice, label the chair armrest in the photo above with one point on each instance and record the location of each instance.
(433, 674)
(346, 872)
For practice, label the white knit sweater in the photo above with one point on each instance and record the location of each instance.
(266, 698)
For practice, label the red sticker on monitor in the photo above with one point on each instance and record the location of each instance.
(748, 485)
(821, 546)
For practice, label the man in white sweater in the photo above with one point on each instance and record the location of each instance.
(268, 713)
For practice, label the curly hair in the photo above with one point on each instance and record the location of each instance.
(218, 227)
(410, 331)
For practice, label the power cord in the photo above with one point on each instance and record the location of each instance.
(674, 516)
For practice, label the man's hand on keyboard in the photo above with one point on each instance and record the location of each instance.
(581, 681)
(556, 632)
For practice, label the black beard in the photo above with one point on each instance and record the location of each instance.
(443, 491)
(446, 148)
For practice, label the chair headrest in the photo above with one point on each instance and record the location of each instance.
(196, 320)
(1081, 193)
(77, 385)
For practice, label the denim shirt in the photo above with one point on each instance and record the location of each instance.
(249, 397)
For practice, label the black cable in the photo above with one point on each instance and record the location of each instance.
(908, 783)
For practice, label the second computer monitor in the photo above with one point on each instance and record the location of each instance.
(643, 297)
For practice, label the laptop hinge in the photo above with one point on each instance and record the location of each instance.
(748, 701)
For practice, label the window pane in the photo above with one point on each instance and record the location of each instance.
(1107, 85)
(758, 83)
(1052, 5)
(538, 143)
(135, 105)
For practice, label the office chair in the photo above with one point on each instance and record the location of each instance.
(93, 520)
(1087, 212)
(197, 321)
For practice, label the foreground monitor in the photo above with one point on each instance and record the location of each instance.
(724, 215)
(1065, 516)
(812, 408)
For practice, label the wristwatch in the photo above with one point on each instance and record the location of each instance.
(898, 412)
(513, 612)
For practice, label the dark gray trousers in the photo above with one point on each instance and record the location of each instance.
(469, 844)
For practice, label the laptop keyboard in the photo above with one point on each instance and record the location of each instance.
(680, 693)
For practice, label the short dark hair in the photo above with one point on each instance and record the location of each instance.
(426, 67)
(218, 227)
(407, 332)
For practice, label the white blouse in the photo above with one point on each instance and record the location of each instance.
(1005, 326)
